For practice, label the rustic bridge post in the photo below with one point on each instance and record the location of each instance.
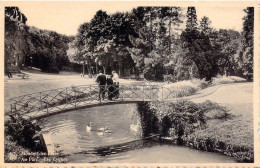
(122, 88)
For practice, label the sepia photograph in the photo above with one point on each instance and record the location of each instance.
(128, 82)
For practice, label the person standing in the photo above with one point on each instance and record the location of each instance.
(101, 80)
(116, 84)
(110, 87)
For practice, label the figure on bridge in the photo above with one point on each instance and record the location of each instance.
(116, 84)
(110, 88)
(101, 80)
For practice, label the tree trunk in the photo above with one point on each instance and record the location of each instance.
(83, 69)
(104, 69)
(137, 73)
(170, 27)
(120, 71)
(96, 68)
(89, 66)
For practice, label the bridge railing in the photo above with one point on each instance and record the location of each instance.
(78, 96)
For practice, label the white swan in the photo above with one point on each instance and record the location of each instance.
(99, 131)
(134, 127)
(89, 128)
(108, 131)
(102, 129)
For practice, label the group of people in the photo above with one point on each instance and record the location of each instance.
(109, 84)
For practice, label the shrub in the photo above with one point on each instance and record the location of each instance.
(13, 150)
(214, 110)
(25, 133)
(178, 89)
(221, 80)
(178, 118)
(201, 83)
(181, 118)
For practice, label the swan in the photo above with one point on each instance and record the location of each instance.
(99, 131)
(89, 128)
(134, 127)
(102, 129)
(108, 131)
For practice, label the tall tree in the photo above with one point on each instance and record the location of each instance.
(197, 47)
(205, 25)
(191, 23)
(247, 52)
(15, 41)
(156, 33)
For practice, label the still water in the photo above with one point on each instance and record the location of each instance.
(70, 134)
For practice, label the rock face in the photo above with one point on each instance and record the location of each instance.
(15, 42)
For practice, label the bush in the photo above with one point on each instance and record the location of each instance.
(181, 118)
(214, 110)
(25, 133)
(201, 83)
(178, 89)
(221, 80)
(226, 79)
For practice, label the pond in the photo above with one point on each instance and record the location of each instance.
(69, 134)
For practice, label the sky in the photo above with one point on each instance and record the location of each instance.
(66, 17)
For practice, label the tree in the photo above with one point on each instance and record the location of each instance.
(155, 30)
(103, 53)
(205, 25)
(15, 42)
(247, 53)
(227, 45)
(191, 23)
(83, 48)
(197, 47)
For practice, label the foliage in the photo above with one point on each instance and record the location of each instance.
(236, 141)
(226, 79)
(179, 118)
(31, 46)
(178, 89)
(13, 150)
(247, 53)
(149, 122)
(14, 43)
(47, 50)
(155, 39)
(197, 48)
(24, 132)
(201, 83)
(214, 110)
(147, 40)
(191, 23)
(205, 25)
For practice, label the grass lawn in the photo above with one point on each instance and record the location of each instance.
(237, 130)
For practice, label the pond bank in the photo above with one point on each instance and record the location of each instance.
(202, 126)
(240, 153)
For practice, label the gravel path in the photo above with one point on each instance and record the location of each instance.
(238, 93)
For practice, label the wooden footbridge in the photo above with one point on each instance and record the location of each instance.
(54, 101)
